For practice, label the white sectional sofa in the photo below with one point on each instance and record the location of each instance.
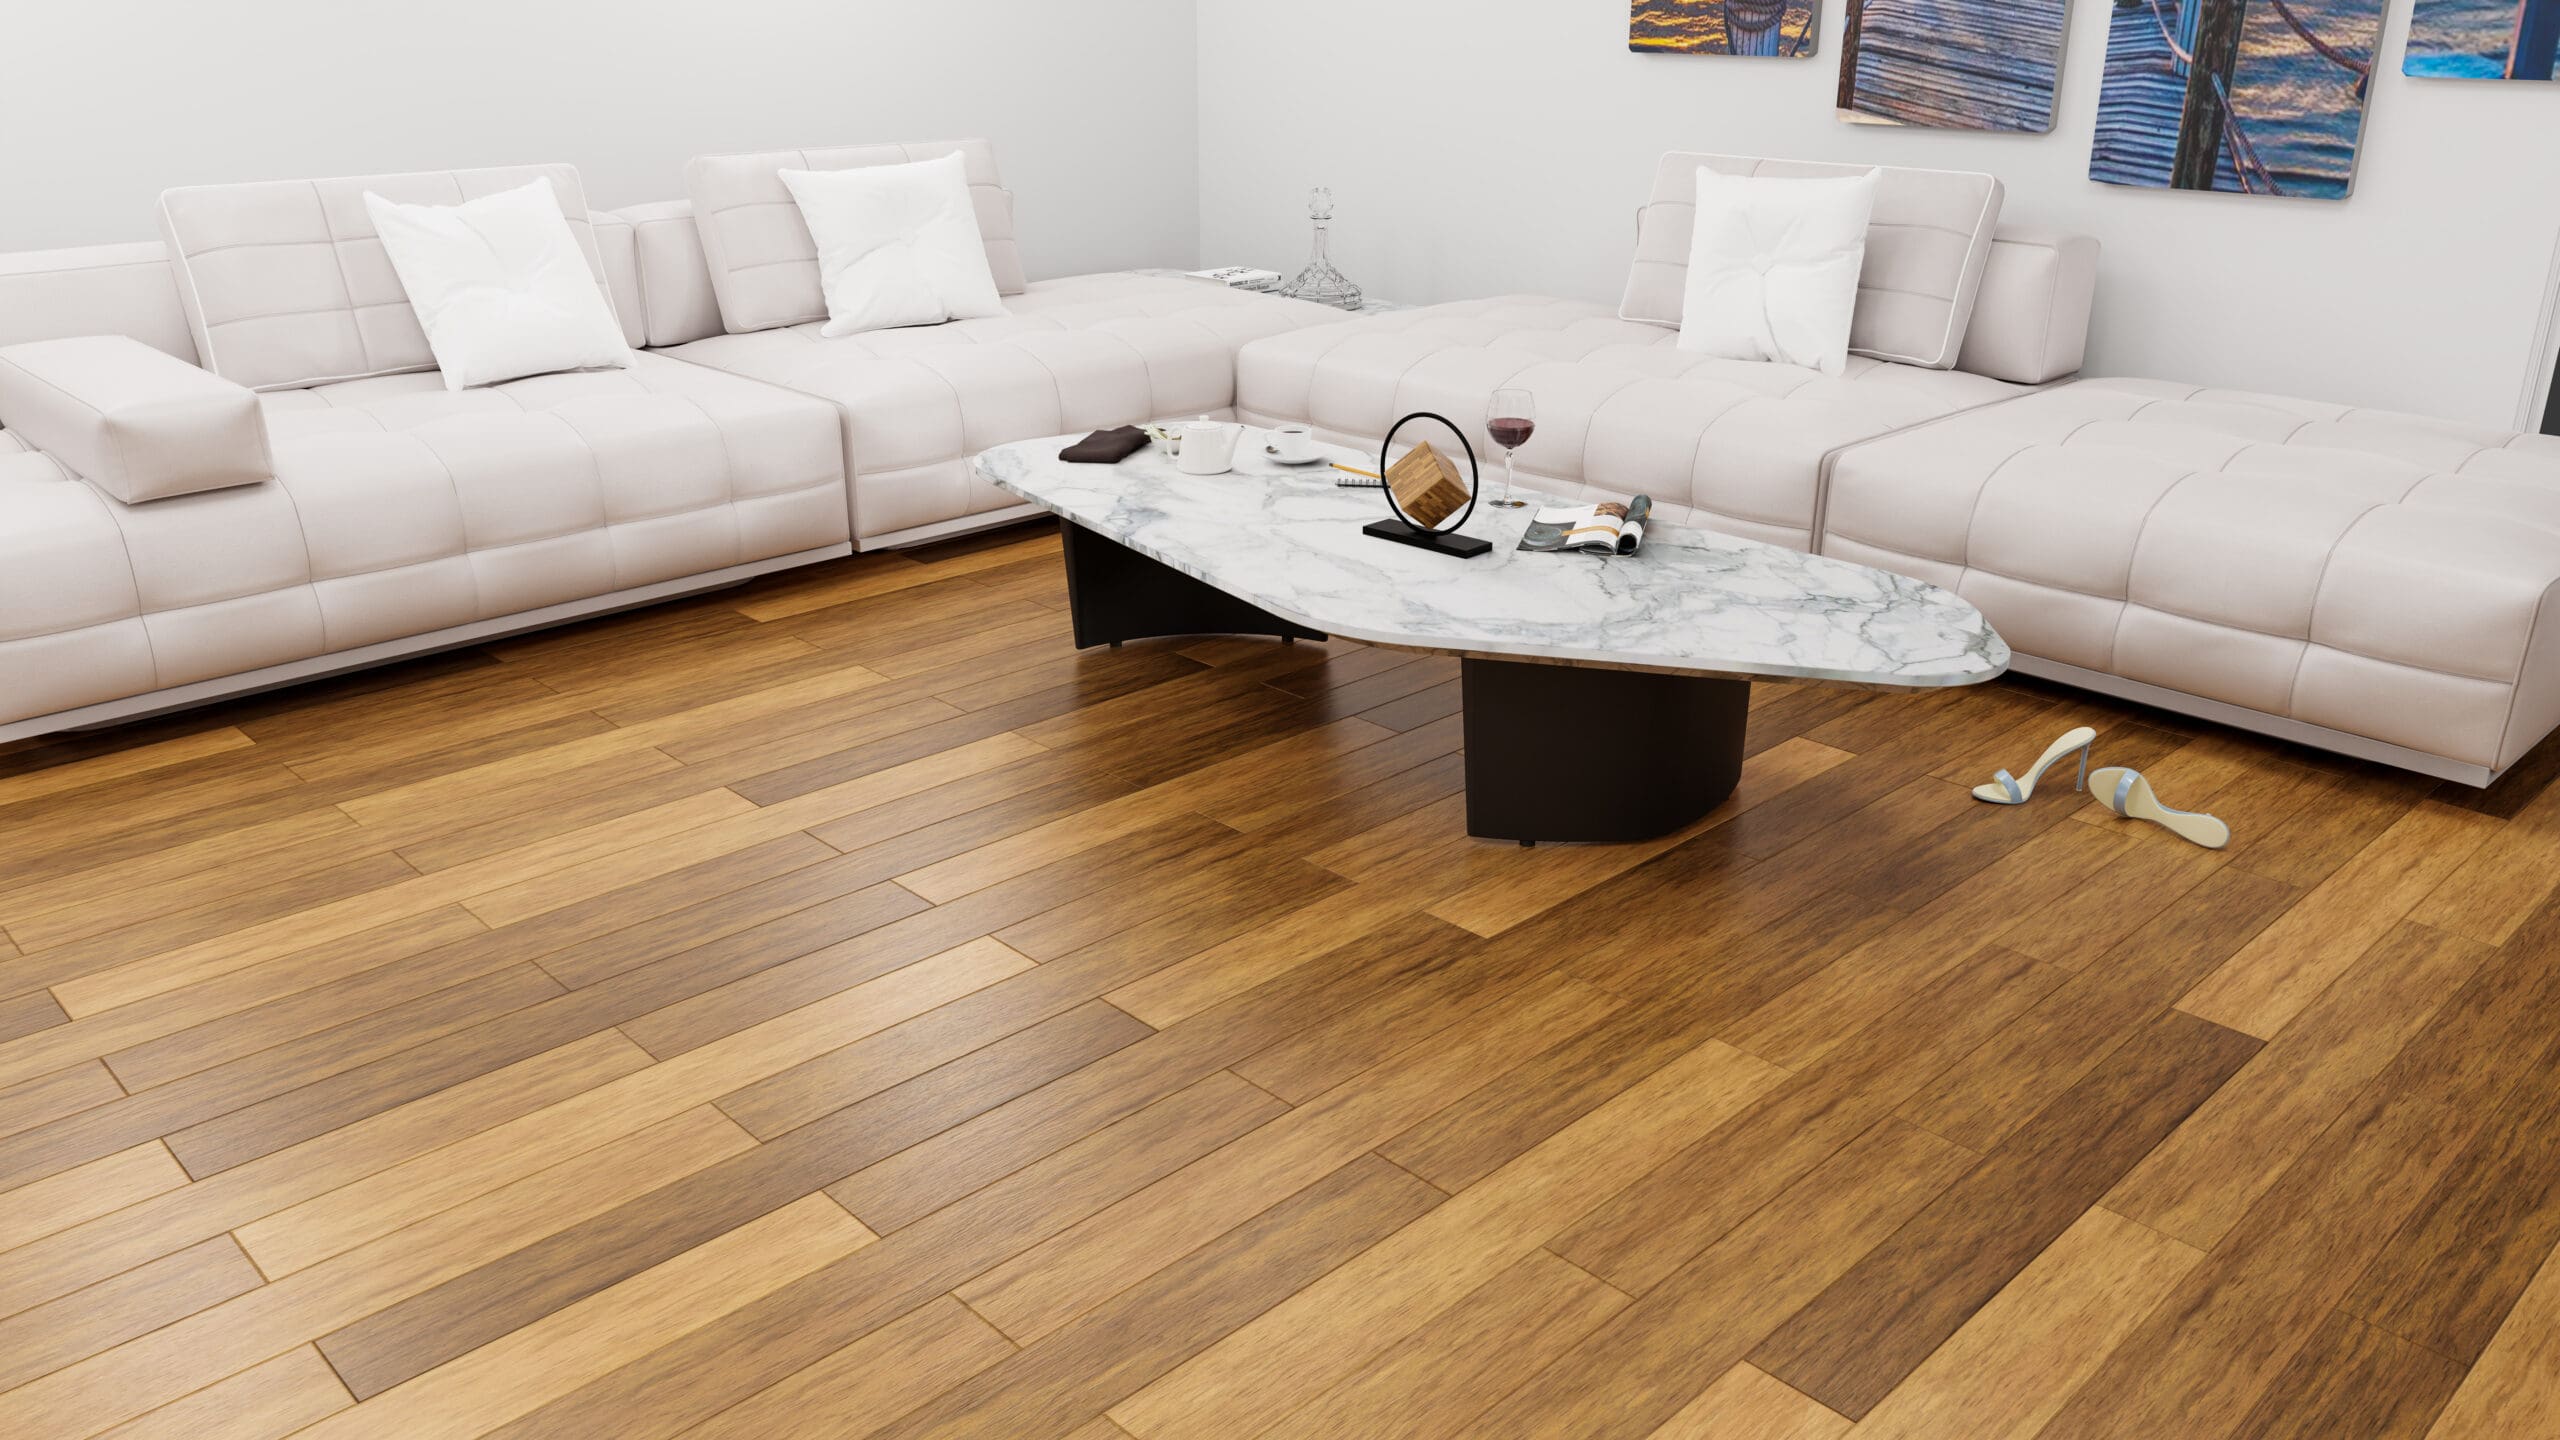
(228, 462)
(2380, 584)
(2377, 584)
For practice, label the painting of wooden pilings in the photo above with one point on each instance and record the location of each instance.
(1951, 64)
(1779, 29)
(2483, 40)
(2253, 97)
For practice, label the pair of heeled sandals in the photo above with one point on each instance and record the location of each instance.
(2121, 789)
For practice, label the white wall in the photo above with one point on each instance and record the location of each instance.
(1504, 146)
(104, 104)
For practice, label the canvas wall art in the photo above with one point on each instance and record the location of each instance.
(1951, 64)
(2257, 97)
(1776, 28)
(2483, 39)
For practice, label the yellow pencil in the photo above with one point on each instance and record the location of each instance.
(1355, 470)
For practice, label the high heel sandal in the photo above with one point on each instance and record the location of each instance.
(2128, 793)
(2006, 789)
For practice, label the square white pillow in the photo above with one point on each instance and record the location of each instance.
(1773, 268)
(500, 286)
(897, 244)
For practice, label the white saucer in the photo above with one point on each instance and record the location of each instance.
(1274, 456)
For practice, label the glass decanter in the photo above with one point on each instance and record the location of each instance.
(1320, 282)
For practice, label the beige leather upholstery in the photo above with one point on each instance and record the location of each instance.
(1071, 355)
(1737, 445)
(399, 508)
(677, 302)
(94, 290)
(618, 248)
(130, 420)
(1926, 248)
(2380, 575)
(284, 284)
(764, 266)
(2031, 316)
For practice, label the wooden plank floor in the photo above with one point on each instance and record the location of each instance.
(835, 1007)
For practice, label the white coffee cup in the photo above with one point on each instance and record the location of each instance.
(1208, 447)
(1293, 444)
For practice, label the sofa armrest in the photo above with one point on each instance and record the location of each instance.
(2031, 316)
(136, 422)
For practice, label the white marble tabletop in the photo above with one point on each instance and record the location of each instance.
(1691, 601)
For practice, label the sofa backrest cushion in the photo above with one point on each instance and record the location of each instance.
(677, 303)
(2031, 317)
(94, 290)
(618, 247)
(1926, 248)
(285, 285)
(764, 266)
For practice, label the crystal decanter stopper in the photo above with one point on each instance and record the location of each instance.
(1320, 282)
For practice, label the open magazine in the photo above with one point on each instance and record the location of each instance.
(1607, 529)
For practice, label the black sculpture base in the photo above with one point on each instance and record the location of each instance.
(1445, 542)
(1535, 735)
(1115, 594)
(1675, 741)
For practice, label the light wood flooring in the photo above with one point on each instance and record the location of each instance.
(835, 1007)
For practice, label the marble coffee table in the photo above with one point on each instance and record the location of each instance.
(1604, 698)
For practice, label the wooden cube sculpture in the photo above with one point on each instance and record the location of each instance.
(1428, 489)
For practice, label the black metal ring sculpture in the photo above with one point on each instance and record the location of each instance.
(1475, 474)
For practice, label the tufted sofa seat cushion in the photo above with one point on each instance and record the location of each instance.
(400, 508)
(1735, 445)
(1072, 354)
(2382, 575)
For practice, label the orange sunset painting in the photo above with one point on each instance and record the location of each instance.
(1774, 28)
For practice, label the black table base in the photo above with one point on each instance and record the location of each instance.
(1554, 752)
(1115, 594)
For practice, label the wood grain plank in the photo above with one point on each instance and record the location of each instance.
(1048, 1285)
(268, 1400)
(45, 1098)
(1331, 1329)
(1640, 1368)
(2211, 1350)
(85, 1192)
(2261, 989)
(1980, 1100)
(1437, 1381)
(1859, 1338)
(1745, 1404)
(1660, 1222)
(756, 1346)
(2514, 1389)
(42, 1341)
(2203, 1179)
(1052, 1387)
(870, 1383)
(2352, 1381)
(122, 764)
(176, 1359)
(402, 1340)
(2011, 1366)
(507, 1377)
(394, 1196)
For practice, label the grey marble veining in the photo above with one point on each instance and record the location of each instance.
(1289, 541)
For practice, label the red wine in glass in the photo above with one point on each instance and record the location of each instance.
(1511, 419)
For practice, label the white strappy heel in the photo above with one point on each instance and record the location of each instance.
(2005, 789)
(2128, 793)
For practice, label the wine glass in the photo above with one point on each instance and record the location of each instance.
(1512, 418)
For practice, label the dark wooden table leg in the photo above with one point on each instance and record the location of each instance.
(1115, 594)
(1568, 752)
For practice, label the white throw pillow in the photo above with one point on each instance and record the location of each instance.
(499, 286)
(1773, 268)
(897, 244)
